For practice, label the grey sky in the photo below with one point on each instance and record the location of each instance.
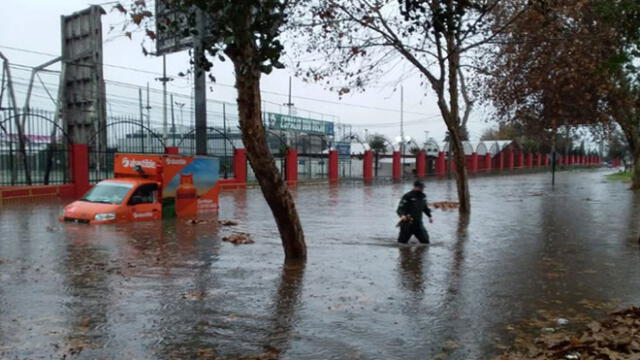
(35, 24)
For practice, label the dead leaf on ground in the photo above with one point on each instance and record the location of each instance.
(616, 337)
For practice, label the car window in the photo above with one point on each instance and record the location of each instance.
(108, 192)
(146, 193)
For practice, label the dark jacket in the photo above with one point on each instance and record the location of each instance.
(414, 203)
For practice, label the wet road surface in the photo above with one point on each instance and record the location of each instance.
(170, 290)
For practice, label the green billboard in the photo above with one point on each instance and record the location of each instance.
(299, 124)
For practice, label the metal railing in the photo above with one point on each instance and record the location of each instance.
(34, 150)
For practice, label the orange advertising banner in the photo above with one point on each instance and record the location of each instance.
(189, 184)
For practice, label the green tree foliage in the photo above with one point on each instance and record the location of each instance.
(378, 143)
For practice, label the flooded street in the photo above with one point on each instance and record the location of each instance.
(170, 290)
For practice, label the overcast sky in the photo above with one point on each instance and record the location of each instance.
(35, 25)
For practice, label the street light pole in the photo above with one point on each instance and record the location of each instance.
(164, 80)
(401, 131)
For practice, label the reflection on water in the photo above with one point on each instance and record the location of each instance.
(411, 270)
(174, 290)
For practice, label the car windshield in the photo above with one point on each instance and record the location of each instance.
(108, 192)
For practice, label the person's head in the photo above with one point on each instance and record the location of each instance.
(418, 185)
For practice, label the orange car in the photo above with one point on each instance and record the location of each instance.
(117, 200)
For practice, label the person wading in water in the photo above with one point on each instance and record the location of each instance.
(410, 210)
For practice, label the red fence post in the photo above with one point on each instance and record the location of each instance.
(240, 166)
(521, 163)
(530, 160)
(501, 160)
(474, 162)
(291, 167)
(440, 164)
(421, 164)
(510, 159)
(172, 150)
(367, 166)
(396, 165)
(487, 162)
(333, 166)
(80, 168)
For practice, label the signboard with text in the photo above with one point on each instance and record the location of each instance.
(299, 124)
(343, 148)
(175, 28)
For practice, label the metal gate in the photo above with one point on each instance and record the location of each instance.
(34, 149)
(123, 134)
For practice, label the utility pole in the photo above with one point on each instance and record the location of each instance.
(553, 155)
(164, 80)
(289, 104)
(401, 131)
(181, 106)
(173, 123)
(200, 88)
(148, 108)
(224, 139)
(141, 122)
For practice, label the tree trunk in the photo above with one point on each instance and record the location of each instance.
(635, 178)
(453, 120)
(274, 189)
(462, 178)
(632, 134)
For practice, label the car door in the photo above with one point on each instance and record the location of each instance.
(144, 204)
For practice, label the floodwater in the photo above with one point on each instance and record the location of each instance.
(169, 290)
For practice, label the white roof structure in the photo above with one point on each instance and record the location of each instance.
(483, 147)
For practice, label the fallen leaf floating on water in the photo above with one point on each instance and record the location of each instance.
(445, 205)
(227, 223)
(616, 337)
(450, 345)
(238, 238)
(194, 295)
(221, 222)
(197, 221)
(271, 354)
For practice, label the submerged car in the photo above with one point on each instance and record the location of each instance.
(117, 200)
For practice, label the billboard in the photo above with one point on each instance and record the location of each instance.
(170, 26)
(189, 183)
(82, 94)
(343, 148)
(174, 29)
(299, 124)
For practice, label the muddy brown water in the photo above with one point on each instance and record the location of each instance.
(169, 290)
